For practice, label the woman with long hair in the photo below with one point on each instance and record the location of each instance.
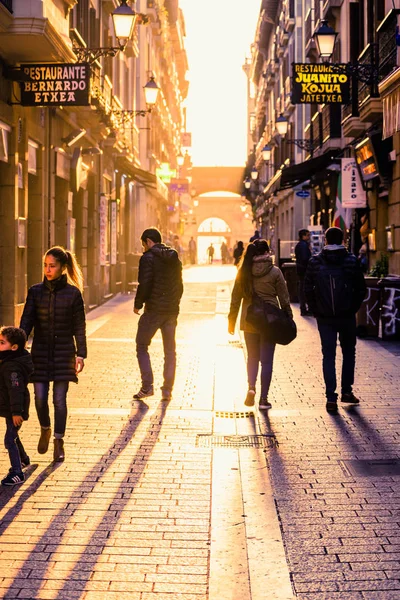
(54, 309)
(256, 273)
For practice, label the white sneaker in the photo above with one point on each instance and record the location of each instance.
(250, 398)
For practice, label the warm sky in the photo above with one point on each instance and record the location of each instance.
(219, 34)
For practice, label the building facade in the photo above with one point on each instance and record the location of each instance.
(84, 175)
(301, 183)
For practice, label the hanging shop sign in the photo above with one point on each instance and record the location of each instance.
(56, 85)
(366, 161)
(320, 84)
(181, 186)
(353, 193)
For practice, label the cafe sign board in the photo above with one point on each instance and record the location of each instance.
(57, 84)
(320, 83)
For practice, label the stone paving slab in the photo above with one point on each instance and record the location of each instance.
(140, 510)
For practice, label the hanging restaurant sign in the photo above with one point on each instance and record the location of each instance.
(320, 83)
(56, 84)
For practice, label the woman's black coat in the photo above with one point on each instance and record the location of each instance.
(56, 312)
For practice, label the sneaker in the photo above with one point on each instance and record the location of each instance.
(43, 444)
(166, 395)
(264, 404)
(142, 393)
(331, 407)
(59, 454)
(25, 462)
(250, 397)
(13, 478)
(350, 398)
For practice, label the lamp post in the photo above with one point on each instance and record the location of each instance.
(266, 153)
(325, 39)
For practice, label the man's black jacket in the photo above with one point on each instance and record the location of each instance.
(160, 281)
(15, 370)
(334, 284)
(303, 255)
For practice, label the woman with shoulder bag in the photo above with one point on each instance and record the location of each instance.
(257, 274)
(55, 310)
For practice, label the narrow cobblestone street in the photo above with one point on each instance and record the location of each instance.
(153, 503)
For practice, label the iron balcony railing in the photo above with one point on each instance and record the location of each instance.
(7, 4)
(369, 56)
(387, 53)
(351, 109)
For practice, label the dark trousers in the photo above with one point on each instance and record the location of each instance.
(14, 446)
(301, 293)
(60, 389)
(259, 351)
(149, 324)
(329, 332)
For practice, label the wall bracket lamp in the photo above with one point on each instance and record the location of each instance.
(124, 19)
(151, 91)
(325, 39)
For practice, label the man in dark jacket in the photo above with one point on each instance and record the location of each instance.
(335, 289)
(303, 255)
(160, 290)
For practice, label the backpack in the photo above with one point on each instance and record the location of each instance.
(333, 288)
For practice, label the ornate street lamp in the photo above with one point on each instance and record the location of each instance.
(254, 174)
(124, 19)
(180, 159)
(247, 183)
(282, 124)
(151, 91)
(325, 38)
(266, 153)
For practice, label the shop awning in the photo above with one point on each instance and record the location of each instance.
(296, 174)
(145, 178)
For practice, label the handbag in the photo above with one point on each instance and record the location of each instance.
(273, 322)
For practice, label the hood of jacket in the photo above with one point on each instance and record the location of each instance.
(262, 265)
(24, 359)
(166, 253)
(334, 254)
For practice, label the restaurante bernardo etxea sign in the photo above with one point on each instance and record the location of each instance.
(57, 84)
(320, 83)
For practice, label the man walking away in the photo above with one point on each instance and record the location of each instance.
(303, 255)
(210, 253)
(160, 290)
(335, 289)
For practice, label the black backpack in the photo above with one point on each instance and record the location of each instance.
(333, 286)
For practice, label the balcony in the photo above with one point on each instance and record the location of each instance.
(331, 126)
(8, 4)
(311, 50)
(370, 104)
(388, 50)
(328, 5)
(351, 123)
(37, 32)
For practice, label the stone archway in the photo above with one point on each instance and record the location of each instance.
(210, 179)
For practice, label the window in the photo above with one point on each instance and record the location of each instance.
(4, 131)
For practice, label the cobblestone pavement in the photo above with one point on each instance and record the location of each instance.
(182, 501)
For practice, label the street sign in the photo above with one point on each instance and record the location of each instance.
(179, 185)
(186, 139)
(303, 194)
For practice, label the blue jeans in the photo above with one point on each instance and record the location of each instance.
(14, 446)
(329, 331)
(149, 324)
(60, 389)
(259, 350)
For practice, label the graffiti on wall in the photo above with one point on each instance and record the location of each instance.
(390, 311)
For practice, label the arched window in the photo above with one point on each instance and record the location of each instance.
(214, 224)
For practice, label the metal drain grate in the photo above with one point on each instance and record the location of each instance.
(372, 468)
(233, 415)
(205, 440)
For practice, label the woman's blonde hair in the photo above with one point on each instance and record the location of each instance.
(68, 260)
